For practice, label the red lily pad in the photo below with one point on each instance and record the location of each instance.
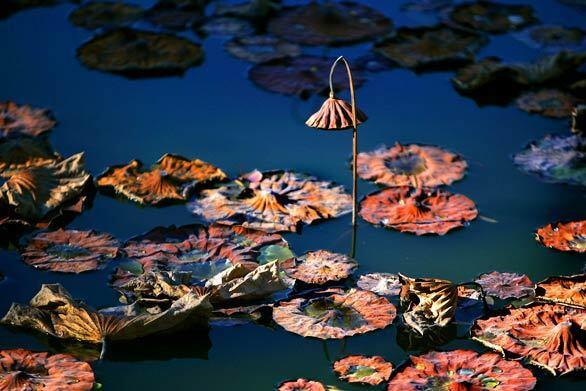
(371, 370)
(506, 285)
(570, 236)
(320, 267)
(24, 120)
(566, 290)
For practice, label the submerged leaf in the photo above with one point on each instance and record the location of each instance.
(371, 370)
(570, 236)
(18, 121)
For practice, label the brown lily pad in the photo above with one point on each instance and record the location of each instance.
(506, 285)
(491, 17)
(566, 290)
(383, 284)
(405, 165)
(23, 153)
(174, 16)
(301, 385)
(320, 267)
(419, 211)
(549, 336)
(70, 251)
(570, 236)
(428, 47)
(19, 121)
(554, 38)
(171, 180)
(96, 15)
(462, 370)
(261, 48)
(273, 201)
(336, 314)
(136, 53)
(371, 370)
(329, 23)
(22, 369)
(549, 103)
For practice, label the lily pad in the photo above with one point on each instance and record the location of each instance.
(554, 38)
(320, 267)
(272, 201)
(371, 370)
(506, 285)
(24, 153)
(405, 165)
(429, 47)
(22, 369)
(462, 370)
(171, 180)
(329, 23)
(549, 336)
(174, 16)
(335, 314)
(261, 48)
(136, 53)
(566, 290)
(273, 253)
(24, 120)
(491, 17)
(383, 284)
(418, 211)
(96, 15)
(301, 385)
(224, 26)
(570, 236)
(549, 103)
(70, 251)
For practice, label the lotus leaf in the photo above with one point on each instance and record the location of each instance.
(22, 153)
(171, 179)
(96, 15)
(174, 16)
(19, 121)
(155, 285)
(336, 314)
(371, 370)
(554, 38)
(506, 285)
(419, 211)
(261, 48)
(383, 284)
(570, 236)
(329, 23)
(490, 17)
(462, 370)
(70, 251)
(54, 312)
(256, 10)
(273, 201)
(320, 267)
(22, 369)
(135, 53)
(566, 290)
(231, 27)
(335, 114)
(301, 385)
(402, 165)
(549, 336)
(550, 103)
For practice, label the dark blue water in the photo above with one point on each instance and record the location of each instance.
(216, 114)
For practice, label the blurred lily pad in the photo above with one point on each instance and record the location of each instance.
(174, 16)
(492, 17)
(549, 103)
(24, 120)
(261, 48)
(97, 15)
(554, 38)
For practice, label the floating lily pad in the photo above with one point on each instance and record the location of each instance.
(135, 53)
(171, 180)
(301, 385)
(336, 314)
(570, 236)
(232, 27)
(273, 201)
(462, 370)
(371, 370)
(22, 369)
(428, 47)
(18, 121)
(556, 159)
(320, 267)
(96, 15)
(566, 290)
(174, 16)
(261, 48)
(23, 153)
(549, 336)
(302, 76)
(70, 251)
(383, 284)
(329, 23)
(405, 165)
(506, 285)
(554, 38)
(257, 11)
(550, 103)
(490, 17)
(419, 211)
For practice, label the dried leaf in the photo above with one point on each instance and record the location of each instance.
(371, 370)
(18, 121)
(570, 236)
(506, 285)
(320, 267)
(566, 290)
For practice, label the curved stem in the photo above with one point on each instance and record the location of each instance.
(354, 126)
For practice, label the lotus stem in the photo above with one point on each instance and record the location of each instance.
(103, 351)
(354, 132)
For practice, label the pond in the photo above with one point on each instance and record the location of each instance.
(215, 113)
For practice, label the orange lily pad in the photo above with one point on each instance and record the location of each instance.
(273, 201)
(549, 336)
(301, 385)
(402, 165)
(462, 370)
(22, 369)
(383, 284)
(419, 211)
(336, 314)
(18, 121)
(320, 267)
(170, 180)
(506, 285)
(569, 236)
(491, 17)
(566, 290)
(70, 251)
(549, 103)
(371, 370)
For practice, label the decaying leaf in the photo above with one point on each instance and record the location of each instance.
(402, 165)
(383, 284)
(23, 370)
(460, 370)
(336, 314)
(18, 121)
(96, 15)
(418, 210)
(172, 179)
(54, 312)
(506, 285)
(301, 385)
(153, 285)
(320, 267)
(371, 370)
(492, 17)
(429, 302)
(70, 251)
(549, 103)
(570, 236)
(261, 48)
(329, 23)
(335, 114)
(566, 290)
(549, 336)
(26, 152)
(273, 201)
